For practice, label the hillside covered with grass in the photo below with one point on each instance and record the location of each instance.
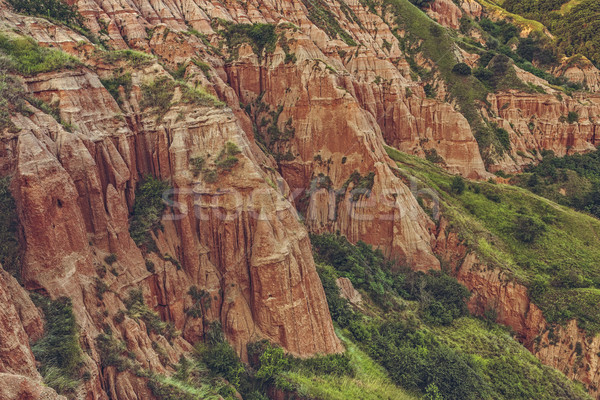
(551, 249)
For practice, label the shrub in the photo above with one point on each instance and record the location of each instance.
(204, 67)
(110, 259)
(458, 184)
(58, 351)
(158, 94)
(572, 117)
(134, 58)
(332, 364)
(112, 352)
(137, 309)
(210, 176)
(199, 96)
(9, 242)
(29, 58)
(442, 298)
(147, 210)
(527, 229)
(461, 69)
(150, 266)
(272, 362)
(430, 91)
(113, 84)
(101, 288)
(259, 36)
(221, 359)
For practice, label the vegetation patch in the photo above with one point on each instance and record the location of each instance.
(9, 241)
(134, 58)
(550, 249)
(56, 10)
(137, 309)
(58, 351)
(148, 209)
(114, 83)
(436, 350)
(29, 58)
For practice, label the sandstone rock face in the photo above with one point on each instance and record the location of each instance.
(348, 292)
(581, 71)
(538, 122)
(23, 388)
(19, 321)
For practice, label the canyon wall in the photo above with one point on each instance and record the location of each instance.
(310, 117)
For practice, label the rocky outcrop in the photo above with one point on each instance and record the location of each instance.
(537, 122)
(348, 292)
(20, 323)
(580, 70)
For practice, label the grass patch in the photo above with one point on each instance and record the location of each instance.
(29, 58)
(133, 58)
(370, 380)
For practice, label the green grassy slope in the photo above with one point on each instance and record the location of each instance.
(553, 250)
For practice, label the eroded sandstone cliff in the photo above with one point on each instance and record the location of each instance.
(310, 116)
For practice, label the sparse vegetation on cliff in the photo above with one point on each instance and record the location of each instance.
(55, 10)
(58, 351)
(147, 211)
(9, 241)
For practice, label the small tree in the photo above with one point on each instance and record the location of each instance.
(572, 117)
(458, 184)
(461, 69)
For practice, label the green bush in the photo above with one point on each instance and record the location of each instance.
(112, 352)
(458, 184)
(572, 117)
(442, 299)
(527, 229)
(9, 241)
(158, 94)
(147, 210)
(222, 360)
(58, 351)
(200, 97)
(29, 58)
(272, 363)
(136, 59)
(113, 84)
(461, 69)
(110, 259)
(259, 36)
(332, 364)
(57, 10)
(137, 309)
